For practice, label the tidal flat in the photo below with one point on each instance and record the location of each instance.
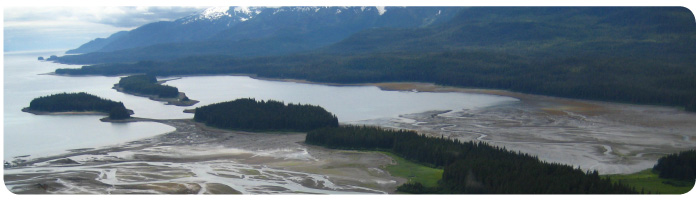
(196, 159)
(610, 138)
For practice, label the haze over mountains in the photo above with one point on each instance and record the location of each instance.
(243, 30)
(626, 54)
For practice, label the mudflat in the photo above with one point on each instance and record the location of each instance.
(611, 138)
(607, 137)
(196, 159)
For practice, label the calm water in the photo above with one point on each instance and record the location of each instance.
(42, 135)
(349, 103)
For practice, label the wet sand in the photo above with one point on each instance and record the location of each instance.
(611, 138)
(608, 137)
(196, 159)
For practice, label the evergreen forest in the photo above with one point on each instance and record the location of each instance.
(79, 102)
(679, 166)
(147, 84)
(249, 114)
(632, 55)
(469, 167)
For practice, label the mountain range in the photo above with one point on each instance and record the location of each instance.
(625, 54)
(255, 31)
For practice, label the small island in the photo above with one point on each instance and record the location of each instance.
(78, 103)
(251, 115)
(148, 86)
(40, 58)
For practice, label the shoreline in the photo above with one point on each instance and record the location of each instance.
(248, 157)
(36, 112)
(168, 101)
(570, 116)
(27, 110)
(584, 106)
(101, 149)
(556, 106)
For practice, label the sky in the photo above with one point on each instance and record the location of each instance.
(30, 25)
(53, 28)
(33, 25)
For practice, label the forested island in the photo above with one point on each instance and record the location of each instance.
(147, 85)
(78, 102)
(469, 167)
(249, 114)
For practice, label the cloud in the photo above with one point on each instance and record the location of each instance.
(27, 28)
(114, 16)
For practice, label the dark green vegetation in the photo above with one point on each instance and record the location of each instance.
(672, 174)
(640, 55)
(249, 114)
(147, 84)
(268, 31)
(469, 167)
(678, 166)
(79, 102)
(648, 181)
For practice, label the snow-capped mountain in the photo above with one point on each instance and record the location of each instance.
(229, 14)
(314, 25)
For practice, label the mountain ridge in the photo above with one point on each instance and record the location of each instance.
(588, 53)
(323, 25)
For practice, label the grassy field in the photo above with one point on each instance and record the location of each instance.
(651, 182)
(413, 172)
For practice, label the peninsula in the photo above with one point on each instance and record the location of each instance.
(149, 86)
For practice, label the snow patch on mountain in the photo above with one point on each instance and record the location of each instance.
(381, 10)
(242, 9)
(215, 12)
(209, 14)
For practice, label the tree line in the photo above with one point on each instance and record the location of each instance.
(147, 84)
(79, 102)
(633, 55)
(469, 167)
(641, 80)
(680, 166)
(249, 114)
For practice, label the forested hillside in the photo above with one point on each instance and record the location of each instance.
(470, 167)
(252, 31)
(642, 55)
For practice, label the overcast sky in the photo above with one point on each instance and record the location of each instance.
(54, 26)
(43, 28)
(61, 25)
